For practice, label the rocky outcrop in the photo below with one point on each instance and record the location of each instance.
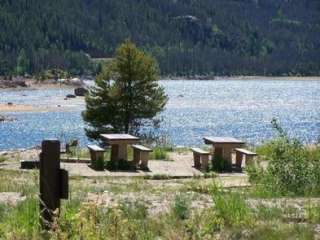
(80, 91)
(12, 83)
(6, 119)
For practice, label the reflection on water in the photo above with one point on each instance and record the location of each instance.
(241, 109)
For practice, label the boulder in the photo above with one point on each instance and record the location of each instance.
(76, 82)
(6, 119)
(80, 91)
(12, 83)
(70, 96)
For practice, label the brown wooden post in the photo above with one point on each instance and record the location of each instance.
(53, 182)
(123, 155)
(196, 157)
(136, 157)
(218, 151)
(144, 159)
(204, 162)
(227, 154)
(239, 157)
(114, 152)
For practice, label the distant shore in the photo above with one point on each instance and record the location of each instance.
(22, 83)
(213, 78)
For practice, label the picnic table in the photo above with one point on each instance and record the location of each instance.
(119, 143)
(224, 146)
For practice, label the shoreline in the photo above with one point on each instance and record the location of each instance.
(244, 78)
(51, 84)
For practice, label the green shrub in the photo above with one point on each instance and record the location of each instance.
(180, 207)
(2, 158)
(281, 231)
(20, 222)
(291, 169)
(313, 213)
(159, 153)
(220, 164)
(232, 209)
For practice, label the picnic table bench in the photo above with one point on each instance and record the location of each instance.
(201, 158)
(240, 153)
(97, 156)
(141, 153)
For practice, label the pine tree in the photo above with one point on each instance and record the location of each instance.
(23, 63)
(126, 94)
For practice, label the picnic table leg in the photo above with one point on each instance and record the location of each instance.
(114, 152)
(144, 159)
(136, 157)
(217, 153)
(122, 151)
(239, 158)
(227, 155)
(204, 162)
(196, 158)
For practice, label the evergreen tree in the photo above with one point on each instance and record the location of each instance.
(126, 94)
(23, 63)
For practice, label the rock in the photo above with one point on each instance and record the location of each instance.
(6, 119)
(80, 91)
(12, 83)
(76, 82)
(70, 96)
(11, 198)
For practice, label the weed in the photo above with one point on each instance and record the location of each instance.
(180, 207)
(3, 158)
(313, 213)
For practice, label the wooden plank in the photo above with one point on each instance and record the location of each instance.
(200, 151)
(118, 137)
(141, 148)
(29, 164)
(245, 151)
(223, 140)
(96, 148)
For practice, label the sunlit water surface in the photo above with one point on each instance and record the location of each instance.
(241, 109)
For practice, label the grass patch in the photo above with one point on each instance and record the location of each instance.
(3, 158)
(159, 153)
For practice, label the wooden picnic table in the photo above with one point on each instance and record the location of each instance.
(224, 146)
(119, 143)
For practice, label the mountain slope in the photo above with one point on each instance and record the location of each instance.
(186, 36)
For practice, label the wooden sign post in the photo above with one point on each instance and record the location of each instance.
(53, 182)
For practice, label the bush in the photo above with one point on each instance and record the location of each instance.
(232, 209)
(220, 164)
(292, 168)
(159, 153)
(180, 207)
(2, 158)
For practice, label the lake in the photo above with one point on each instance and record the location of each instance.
(238, 108)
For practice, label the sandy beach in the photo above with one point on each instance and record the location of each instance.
(19, 108)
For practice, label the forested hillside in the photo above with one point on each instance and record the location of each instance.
(187, 37)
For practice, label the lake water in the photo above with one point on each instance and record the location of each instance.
(242, 109)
